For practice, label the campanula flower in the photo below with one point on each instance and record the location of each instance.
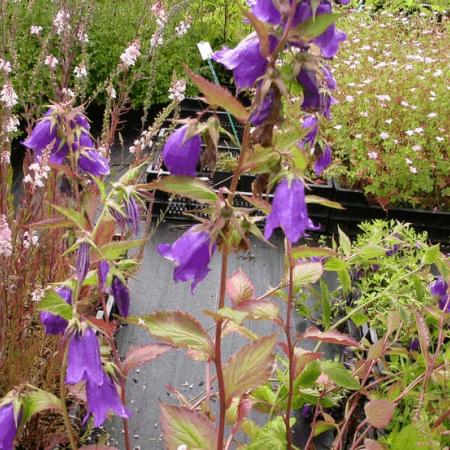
(323, 161)
(310, 123)
(311, 89)
(42, 135)
(265, 10)
(289, 210)
(181, 155)
(83, 261)
(103, 398)
(263, 110)
(121, 296)
(414, 345)
(191, 253)
(132, 213)
(245, 60)
(103, 270)
(440, 289)
(54, 324)
(83, 358)
(8, 426)
(91, 162)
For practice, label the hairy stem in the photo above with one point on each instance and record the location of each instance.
(218, 349)
(290, 346)
(62, 395)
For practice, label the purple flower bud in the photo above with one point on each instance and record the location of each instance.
(191, 253)
(246, 60)
(310, 122)
(181, 156)
(323, 162)
(121, 296)
(103, 270)
(307, 411)
(8, 426)
(83, 359)
(440, 289)
(414, 345)
(132, 213)
(83, 261)
(54, 324)
(289, 211)
(392, 251)
(265, 10)
(82, 121)
(104, 398)
(91, 162)
(41, 136)
(263, 110)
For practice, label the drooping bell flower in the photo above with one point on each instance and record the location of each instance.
(59, 152)
(103, 270)
(310, 123)
(8, 426)
(323, 161)
(121, 296)
(191, 253)
(289, 211)
(311, 89)
(54, 324)
(83, 358)
(181, 155)
(83, 261)
(42, 135)
(393, 250)
(104, 398)
(414, 345)
(132, 214)
(439, 289)
(245, 60)
(263, 110)
(91, 162)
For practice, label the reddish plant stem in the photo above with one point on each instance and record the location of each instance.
(290, 346)
(218, 350)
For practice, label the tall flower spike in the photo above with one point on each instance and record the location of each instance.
(289, 211)
(121, 296)
(191, 253)
(83, 359)
(245, 60)
(8, 426)
(181, 155)
(104, 398)
(54, 324)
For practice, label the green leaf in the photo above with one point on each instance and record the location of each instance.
(358, 318)
(431, 254)
(314, 27)
(37, 401)
(271, 436)
(322, 201)
(179, 329)
(72, 215)
(322, 426)
(410, 438)
(309, 374)
(303, 251)
(259, 309)
(307, 273)
(183, 426)
(344, 242)
(227, 313)
(118, 249)
(340, 375)
(250, 367)
(188, 187)
(326, 304)
(52, 302)
(216, 95)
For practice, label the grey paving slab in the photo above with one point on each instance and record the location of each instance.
(153, 289)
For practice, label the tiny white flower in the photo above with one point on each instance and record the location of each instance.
(409, 132)
(131, 54)
(80, 71)
(8, 95)
(408, 161)
(364, 114)
(373, 155)
(5, 66)
(438, 73)
(337, 127)
(432, 114)
(35, 30)
(51, 61)
(417, 148)
(358, 136)
(412, 169)
(12, 125)
(388, 121)
(419, 130)
(349, 98)
(439, 139)
(384, 135)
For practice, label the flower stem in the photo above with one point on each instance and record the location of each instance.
(290, 346)
(218, 349)
(62, 395)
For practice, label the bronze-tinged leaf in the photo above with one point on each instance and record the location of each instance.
(262, 30)
(183, 426)
(379, 412)
(104, 231)
(259, 309)
(424, 335)
(239, 287)
(322, 201)
(179, 329)
(139, 355)
(216, 95)
(332, 337)
(303, 251)
(302, 358)
(250, 367)
(370, 444)
(376, 350)
(307, 273)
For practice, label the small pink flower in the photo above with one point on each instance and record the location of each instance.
(373, 155)
(5, 237)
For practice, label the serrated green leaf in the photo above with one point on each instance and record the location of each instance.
(117, 249)
(179, 329)
(322, 201)
(340, 375)
(309, 374)
(183, 426)
(250, 367)
(311, 28)
(307, 273)
(72, 215)
(271, 436)
(344, 242)
(52, 302)
(37, 401)
(431, 254)
(304, 251)
(188, 187)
